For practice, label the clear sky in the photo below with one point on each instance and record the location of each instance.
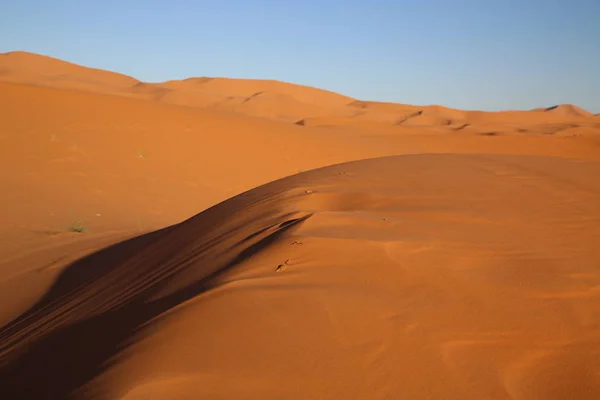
(470, 54)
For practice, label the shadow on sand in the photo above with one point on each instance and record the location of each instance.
(98, 305)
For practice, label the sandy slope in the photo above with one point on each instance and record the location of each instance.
(23, 67)
(448, 276)
(119, 164)
(425, 276)
(264, 98)
(567, 110)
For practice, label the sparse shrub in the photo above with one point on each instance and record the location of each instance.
(77, 227)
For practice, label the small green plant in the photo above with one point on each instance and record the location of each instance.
(77, 227)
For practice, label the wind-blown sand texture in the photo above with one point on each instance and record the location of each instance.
(264, 240)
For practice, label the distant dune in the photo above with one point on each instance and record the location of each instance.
(23, 67)
(251, 87)
(263, 98)
(230, 238)
(567, 110)
(245, 96)
(279, 100)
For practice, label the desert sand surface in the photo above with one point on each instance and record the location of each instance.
(232, 238)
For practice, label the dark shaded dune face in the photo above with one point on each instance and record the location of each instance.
(429, 276)
(97, 305)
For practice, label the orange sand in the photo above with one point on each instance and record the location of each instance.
(464, 265)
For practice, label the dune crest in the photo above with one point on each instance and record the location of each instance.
(567, 110)
(231, 87)
(35, 69)
(341, 281)
(282, 101)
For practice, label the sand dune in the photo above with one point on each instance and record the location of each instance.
(23, 67)
(250, 87)
(239, 95)
(464, 265)
(96, 160)
(89, 154)
(440, 119)
(409, 115)
(278, 107)
(568, 110)
(262, 98)
(376, 279)
(276, 100)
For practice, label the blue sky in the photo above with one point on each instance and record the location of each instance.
(470, 54)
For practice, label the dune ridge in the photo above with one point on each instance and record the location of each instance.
(24, 67)
(280, 100)
(568, 110)
(340, 260)
(87, 154)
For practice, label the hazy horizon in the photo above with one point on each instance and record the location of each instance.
(514, 55)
